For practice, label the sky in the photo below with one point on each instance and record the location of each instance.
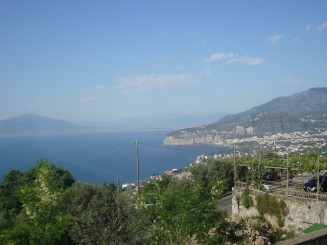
(106, 60)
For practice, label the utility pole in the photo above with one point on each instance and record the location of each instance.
(137, 168)
(318, 184)
(234, 167)
(118, 188)
(288, 169)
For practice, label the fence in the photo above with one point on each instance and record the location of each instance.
(285, 192)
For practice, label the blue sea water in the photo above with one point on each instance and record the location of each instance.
(99, 157)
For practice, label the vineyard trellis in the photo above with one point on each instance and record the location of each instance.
(251, 170)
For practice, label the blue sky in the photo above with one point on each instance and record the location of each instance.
(105, 60)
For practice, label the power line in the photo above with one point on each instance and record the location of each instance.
(97, 156)
(107, 153)
(137, 168)
(76, 163)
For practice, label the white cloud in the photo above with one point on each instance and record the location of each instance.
(275, 38)
(318, 28)
(293, 80)
(220, 57)
(295, 39)
(154, 81)
(308, 28)
(206, 73)
(322, 26)
(100, 86)
(230, 58)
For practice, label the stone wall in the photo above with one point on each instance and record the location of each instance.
(302, 212)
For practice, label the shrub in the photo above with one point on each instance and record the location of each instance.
(246, 199)
(267, 204)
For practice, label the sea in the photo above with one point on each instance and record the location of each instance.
(101, 157)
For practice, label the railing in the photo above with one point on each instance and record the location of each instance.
(290, 192)
(308, 195)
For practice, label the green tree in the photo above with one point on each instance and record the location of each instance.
(10, 204)
(101, 215)
(208, 174)
(179, 212)
(42, 217)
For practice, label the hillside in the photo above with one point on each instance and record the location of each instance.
(31, 124)
(299, 112)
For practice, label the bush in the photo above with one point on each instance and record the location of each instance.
(246, 199)
(267, 204)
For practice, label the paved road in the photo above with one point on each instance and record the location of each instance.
(226, 203)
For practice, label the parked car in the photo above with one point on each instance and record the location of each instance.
(311, 185)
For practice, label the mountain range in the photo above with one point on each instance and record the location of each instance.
(31, 124)
(299, 112)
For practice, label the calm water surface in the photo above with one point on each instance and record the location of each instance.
(99, 157)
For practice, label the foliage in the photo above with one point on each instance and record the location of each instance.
(40, 215)
(44, 206)
(289, 235)
(250, 169)
(208, 174)
(257, 222)
(177, 211)
(10, 203)
(246, 199)
(100, 215)
(267, 204)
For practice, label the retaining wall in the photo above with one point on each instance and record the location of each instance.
(302, 212)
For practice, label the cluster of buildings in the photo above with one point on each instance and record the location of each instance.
(281, 143)
(296, 142)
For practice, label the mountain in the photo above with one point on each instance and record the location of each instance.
(31, 124)
(299, 112)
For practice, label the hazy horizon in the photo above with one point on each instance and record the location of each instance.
(159, 122)
(104, 61)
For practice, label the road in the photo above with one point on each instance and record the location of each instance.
(226, 204)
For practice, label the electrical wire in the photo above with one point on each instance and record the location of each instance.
(77, 163)
(97, 156)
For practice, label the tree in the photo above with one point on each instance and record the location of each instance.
(10, 204)
(179, 212)
(208, 174)
(42, 217)
(101, 215)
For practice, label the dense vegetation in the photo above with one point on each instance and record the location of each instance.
(251, 169)
(44, 205)
(307, 163)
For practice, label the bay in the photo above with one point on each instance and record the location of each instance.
(101, 157)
